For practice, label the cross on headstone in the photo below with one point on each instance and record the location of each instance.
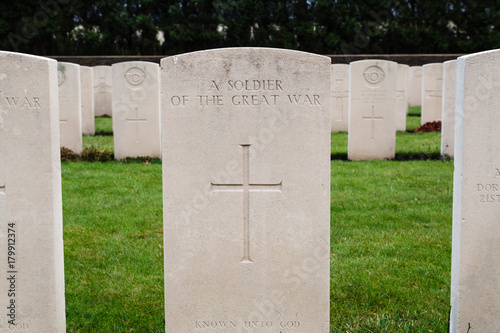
(103, 90)
(137, 121)
(372, 119)
(246, 187)
(339, 94)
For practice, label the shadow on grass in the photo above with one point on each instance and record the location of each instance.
(402, 157)
(141, 160)
(103, 133)
(93, 154)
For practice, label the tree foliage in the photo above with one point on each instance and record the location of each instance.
(135, 27)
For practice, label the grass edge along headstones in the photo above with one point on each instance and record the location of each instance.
(32, 287)
(246, 142)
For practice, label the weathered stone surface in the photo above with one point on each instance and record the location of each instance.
(87, 95)
(415, 86)
(475, 281)
(448, 109)
(136, 109)
(339, 94)
(432, 93)
(102, 91)
(70, 106)
(246, 163)
(402, 96)
(372, 116)
(32, 283)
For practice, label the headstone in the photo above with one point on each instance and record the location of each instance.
(87, 93)
(415, 86)
(136, 109)
(246, 163)
(475, 272)
(70, 106)
(448, 116)
(32, 264)
(339, 93)
(102, 90)
(432, 93)
(372, 116)
(402, 97)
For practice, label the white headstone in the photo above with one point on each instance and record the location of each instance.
(136, 109)
(475, 274)
(102, 91)
(372, 116)
(70, 106)
(448, 116)
(339, 93)
(432, 93)
(402, 97)
(87, 89)
(32, 262)
(415, 86)
(246, 163)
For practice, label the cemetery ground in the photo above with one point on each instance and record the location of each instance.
(390, 239)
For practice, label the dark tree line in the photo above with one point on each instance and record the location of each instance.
(150, 27)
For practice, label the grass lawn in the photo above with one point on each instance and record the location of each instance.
(390, 240)
(391, 246)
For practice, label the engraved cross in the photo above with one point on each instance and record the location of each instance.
(373, 118)
(246, 187)
(137, 121)
(339, 94)
(2, 189)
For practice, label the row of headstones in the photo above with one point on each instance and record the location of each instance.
(372, 121)
(130, 91)
(370, 101)
(257, 171)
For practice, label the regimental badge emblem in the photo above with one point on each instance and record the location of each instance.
(374, 76)
(135, 76)
(60, 77)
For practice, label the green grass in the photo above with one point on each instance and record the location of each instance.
(104, 125)
(391, 245)
(390, 241)
(414, 110)
(113, 239)
(102, 142)
(413, 118)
